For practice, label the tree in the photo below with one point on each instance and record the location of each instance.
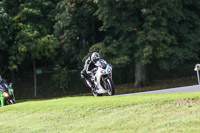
(121, 22)
(8, 59)
(34, 38)
(186, 32)
(77, 29)
(154, 38)
(142, 31)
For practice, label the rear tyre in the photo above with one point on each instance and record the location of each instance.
(110, 87)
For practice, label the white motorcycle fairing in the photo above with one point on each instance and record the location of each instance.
(102, 78)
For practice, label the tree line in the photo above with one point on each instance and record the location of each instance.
(60, 34)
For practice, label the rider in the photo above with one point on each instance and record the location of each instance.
(90, 68)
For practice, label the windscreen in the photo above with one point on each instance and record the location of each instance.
(3, 87)
(101, 63)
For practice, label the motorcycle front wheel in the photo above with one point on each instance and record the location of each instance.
(10, 101)
(110, 87)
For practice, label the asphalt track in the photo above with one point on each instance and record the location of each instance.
(192, 88)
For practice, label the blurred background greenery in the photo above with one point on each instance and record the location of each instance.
(144, 40)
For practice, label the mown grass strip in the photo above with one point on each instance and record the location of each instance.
(178, 112)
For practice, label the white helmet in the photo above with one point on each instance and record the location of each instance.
(95, 57)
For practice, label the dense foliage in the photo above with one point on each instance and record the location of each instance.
(130, 34)
(77, 29)
(6, 38)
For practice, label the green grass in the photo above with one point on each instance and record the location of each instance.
(158, 113)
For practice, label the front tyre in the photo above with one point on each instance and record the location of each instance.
(110, 87)
(12, 101)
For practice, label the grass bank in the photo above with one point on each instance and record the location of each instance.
(158, 113)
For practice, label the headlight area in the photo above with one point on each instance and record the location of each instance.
(109, 70)
(105, 76)
(5, 94)
(103, 71)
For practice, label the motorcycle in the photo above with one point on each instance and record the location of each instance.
(7, 94)
(102, 79)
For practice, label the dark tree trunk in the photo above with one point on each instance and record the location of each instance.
(140, 74)
(35, 78)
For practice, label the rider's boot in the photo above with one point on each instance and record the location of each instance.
(93, 87)
(91, 84)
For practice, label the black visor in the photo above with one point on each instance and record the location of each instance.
(95, 60)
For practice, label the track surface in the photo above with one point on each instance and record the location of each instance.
(171, 90)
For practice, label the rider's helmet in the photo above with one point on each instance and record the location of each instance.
(95, 57)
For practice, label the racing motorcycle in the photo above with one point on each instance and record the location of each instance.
(102, 79)
(7, 93)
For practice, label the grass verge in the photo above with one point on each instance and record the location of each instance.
(158, 113)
